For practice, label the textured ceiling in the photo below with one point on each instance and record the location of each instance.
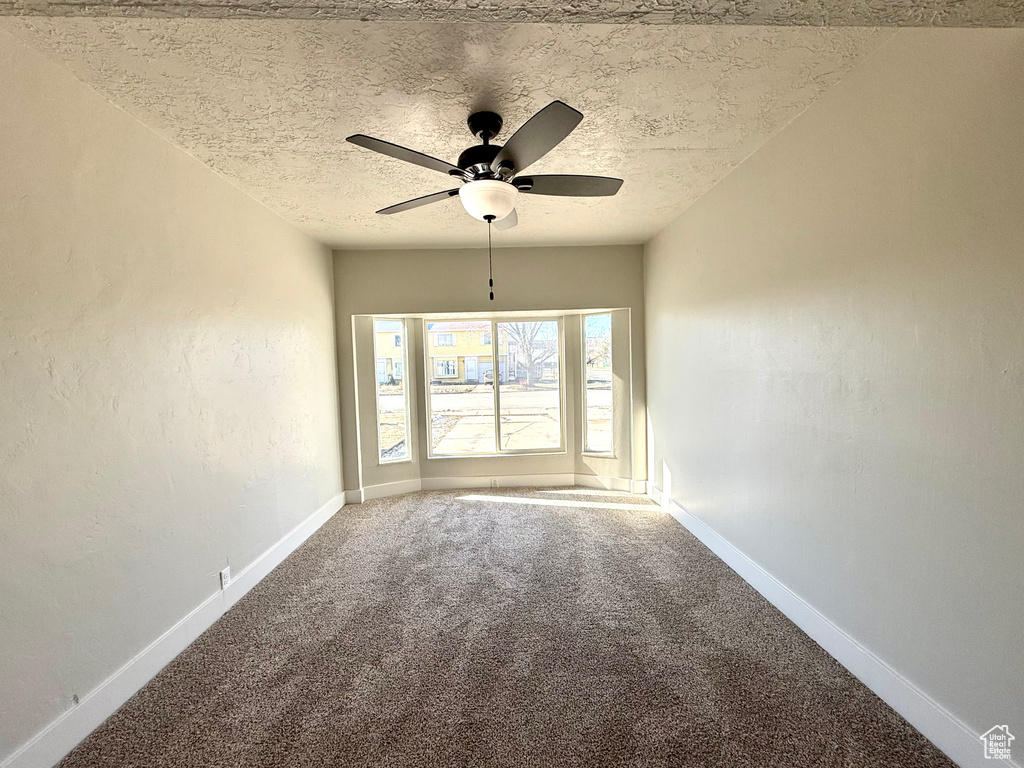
(963, 13)
(670, 109)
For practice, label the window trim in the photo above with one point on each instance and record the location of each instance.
(405, 391)
(439, 334)
(585, 450)
(495, 320)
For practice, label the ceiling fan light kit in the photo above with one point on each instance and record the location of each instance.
(488, 198)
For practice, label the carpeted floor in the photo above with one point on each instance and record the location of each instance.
(521, 628)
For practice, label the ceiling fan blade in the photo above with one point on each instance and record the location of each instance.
(537, 136)
(508, 222)
(568, 186)
(408, 205)
(402, 153)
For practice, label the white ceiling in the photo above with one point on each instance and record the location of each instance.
(670, 109)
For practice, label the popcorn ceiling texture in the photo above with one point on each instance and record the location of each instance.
(954, 13)
(670, 109)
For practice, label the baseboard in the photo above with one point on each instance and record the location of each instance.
(503, 481)
(938, 724)
(654, 494)
(607, 483)
(387, 489)
(383, 490)
(51, 744)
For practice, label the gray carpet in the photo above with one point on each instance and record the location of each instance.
(428, 630)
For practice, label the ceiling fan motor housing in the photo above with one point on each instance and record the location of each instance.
(477, 159)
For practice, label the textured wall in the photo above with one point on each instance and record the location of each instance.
(669, 109)
(916, 13)
(167, 387)
(836, 362)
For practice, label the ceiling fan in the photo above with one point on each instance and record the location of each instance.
(489, 172)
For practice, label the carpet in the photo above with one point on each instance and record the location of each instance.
(540, 627)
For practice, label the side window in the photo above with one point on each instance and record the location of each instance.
(597, 386)
(392, 394)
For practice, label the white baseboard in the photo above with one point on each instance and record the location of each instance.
(606, 483)
(388, 489)
(503, 481)
(51, 744)
(602, 482)
(938, 724)
(382, 490)
(654, 494)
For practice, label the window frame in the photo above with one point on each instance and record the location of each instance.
(409, 440)
(495, 320)
(455, 363)
(439, 334)
(585, 449)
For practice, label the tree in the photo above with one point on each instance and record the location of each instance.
(597, 331)
(531, 344)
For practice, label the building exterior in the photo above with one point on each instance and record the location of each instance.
(389, 343)
(463, 353)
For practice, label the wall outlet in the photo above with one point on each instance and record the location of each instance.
(225, 577)
(494, 482)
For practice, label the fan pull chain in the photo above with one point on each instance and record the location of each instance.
(490, 273)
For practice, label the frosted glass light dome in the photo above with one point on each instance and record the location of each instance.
(488, 197)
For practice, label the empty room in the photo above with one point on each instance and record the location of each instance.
(406, 383)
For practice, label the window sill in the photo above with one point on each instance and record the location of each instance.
(387, 462)
(505, 455)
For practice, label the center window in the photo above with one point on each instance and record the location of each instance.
(494, 387)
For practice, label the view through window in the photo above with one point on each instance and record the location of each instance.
(463, 365)
(597, 392)
(392, 401)
(530, 395)
(460, 369)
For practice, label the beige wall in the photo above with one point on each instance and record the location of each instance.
(534, 279)
(167, 387)
(841, 393)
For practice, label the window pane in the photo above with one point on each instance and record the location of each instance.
(597, 338)
(531, 412)
(461, 399)
(392, 405)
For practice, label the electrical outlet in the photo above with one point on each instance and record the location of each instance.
(494, 482)
(225, 577)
